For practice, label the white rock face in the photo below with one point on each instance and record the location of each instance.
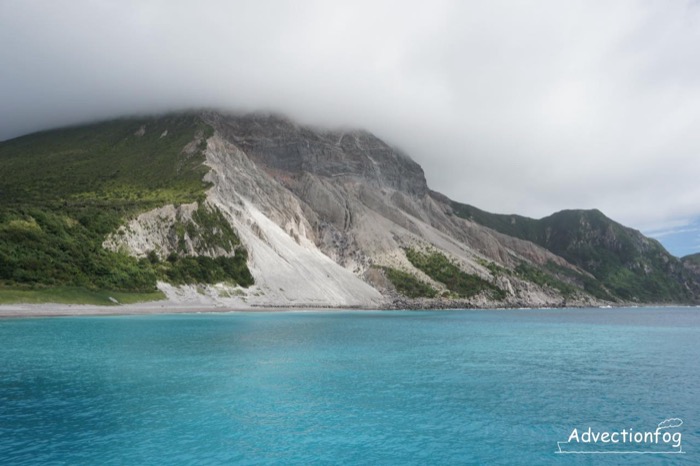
(289, 269)
(151, 231)
(313, 246)
(318, 213)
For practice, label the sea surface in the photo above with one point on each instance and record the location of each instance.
(385, 387)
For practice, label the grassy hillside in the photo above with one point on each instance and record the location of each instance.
(63, 191)
(511, 225)
(109, 163)
(692, 259)
(408, 285)
(461, 284)
(626, 264)
(691, 264)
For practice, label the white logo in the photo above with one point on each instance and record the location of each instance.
(664, 440)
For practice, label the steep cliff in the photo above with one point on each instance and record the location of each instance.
(290, 215)
(365, 205)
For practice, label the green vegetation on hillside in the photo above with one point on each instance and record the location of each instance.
(540, 277)
(74, 295)
(626, 265)
(107, 164)
(203, 269)
(208, 229)
(63, 191)
(41, 247)
(511, 225)
(438, 267)
(408, 285)
(692, 259)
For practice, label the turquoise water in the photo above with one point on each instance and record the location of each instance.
(439, 387)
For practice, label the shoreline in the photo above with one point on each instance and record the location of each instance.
(20, 310)
(148, 308)
(10, 311)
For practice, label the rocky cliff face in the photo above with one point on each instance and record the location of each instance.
(339, 218)
(305, 199)
(289, 151)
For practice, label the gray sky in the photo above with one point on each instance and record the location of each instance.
(515, 107)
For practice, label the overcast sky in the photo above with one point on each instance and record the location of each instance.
(515, 107)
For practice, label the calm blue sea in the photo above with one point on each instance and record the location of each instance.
(438, 387)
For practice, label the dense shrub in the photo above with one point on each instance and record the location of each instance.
(63, 191)
(438, 267)
(408, 285)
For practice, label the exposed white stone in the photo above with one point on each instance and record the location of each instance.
(319, 248)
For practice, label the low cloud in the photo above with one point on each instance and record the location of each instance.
(513, 108)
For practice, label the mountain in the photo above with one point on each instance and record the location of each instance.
(63, 191)
(626, 264)
(242, 210)
(692, 260)
(691, 265)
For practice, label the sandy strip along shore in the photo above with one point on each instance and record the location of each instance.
(156, 307)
